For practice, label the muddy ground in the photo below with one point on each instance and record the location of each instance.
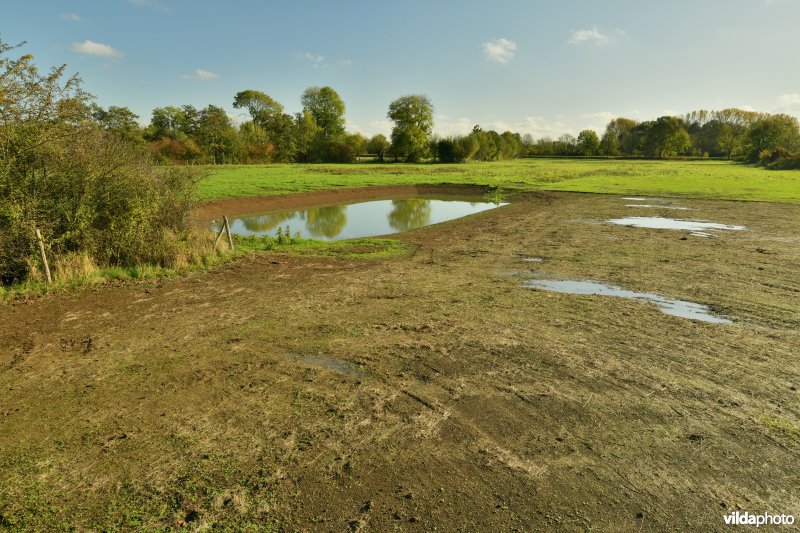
(469, 403)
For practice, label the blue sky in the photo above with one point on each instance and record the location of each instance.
(543, 68)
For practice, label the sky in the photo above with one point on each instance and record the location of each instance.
(544, 68)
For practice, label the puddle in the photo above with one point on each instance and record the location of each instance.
(336, 365)
(672, 223)
(658, 206)
(638, 199)
(679, 308)
(532, 259)
(363, 219)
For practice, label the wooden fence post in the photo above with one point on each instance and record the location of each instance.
(219, 235)
(44, 256)
(228, 229)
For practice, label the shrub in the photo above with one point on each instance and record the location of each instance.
(88, 191)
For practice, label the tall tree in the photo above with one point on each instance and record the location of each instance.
(668, 138)
(261, 107)
(216, 135)
(189, 120)
(567, 144)
(121, 121)
(327, 108)
(609, 144)
(307, 134)
(165, 122)
(770, 133)
(617, 135)
(378, 144)
(413, 122)
(588, 142)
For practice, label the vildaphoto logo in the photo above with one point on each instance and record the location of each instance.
(766, 519)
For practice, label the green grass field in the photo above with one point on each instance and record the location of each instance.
(695, 179)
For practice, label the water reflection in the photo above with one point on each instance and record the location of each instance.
(325, 222)
(264, 223)
(410, 214)
(364, 219)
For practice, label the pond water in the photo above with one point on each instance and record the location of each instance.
(363, 219)
(672, 223)
(680, 308)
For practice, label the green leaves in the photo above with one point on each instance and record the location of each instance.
(327, 108)
(413, 118)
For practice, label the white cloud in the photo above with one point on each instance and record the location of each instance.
(446, 127)
(499, 126)
(540, 127)
(605, 116)
(318, 60)
(535, 125)
(789, 102)
(202, 75)
(597, 121)
(381, 126)
(72, 17)
(500, 50)
(593, 36)
(315, 59)
(92, 48)
(354, 128)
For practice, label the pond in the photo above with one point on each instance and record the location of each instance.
(363, 219)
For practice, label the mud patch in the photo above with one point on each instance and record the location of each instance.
(335, 365)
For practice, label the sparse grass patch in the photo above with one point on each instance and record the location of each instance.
(783, 427)
(351, 249)
(76, 271)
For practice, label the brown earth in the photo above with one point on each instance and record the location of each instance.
(475, 404)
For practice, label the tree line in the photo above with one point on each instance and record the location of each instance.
(749, 136)
(187, 135)
(317, 134)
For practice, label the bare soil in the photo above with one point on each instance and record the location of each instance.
(476, 405)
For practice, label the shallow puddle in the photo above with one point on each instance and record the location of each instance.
(672, 223)
(337, 365)
(363, 219)
(679, 308)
